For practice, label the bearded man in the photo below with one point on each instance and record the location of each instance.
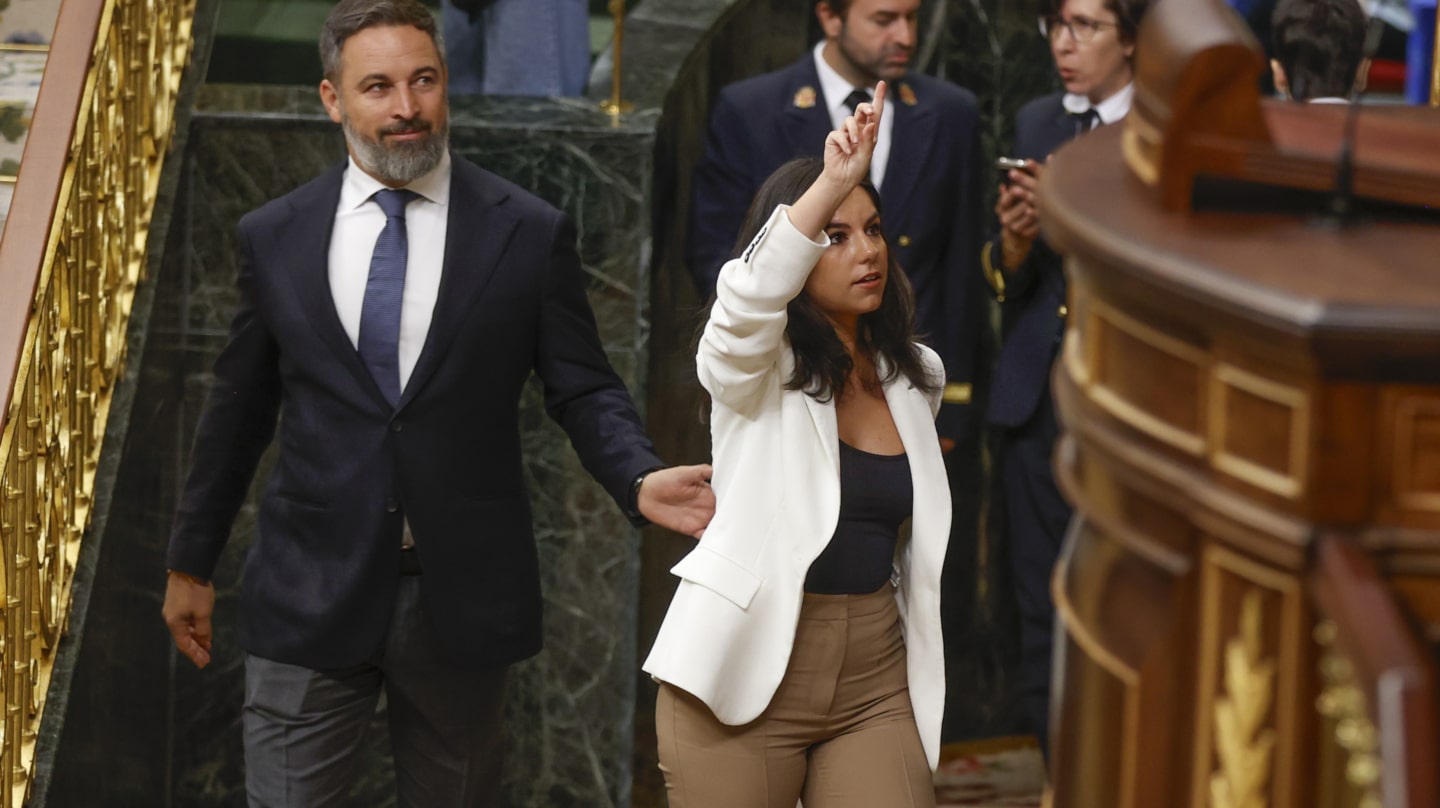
(391, 310)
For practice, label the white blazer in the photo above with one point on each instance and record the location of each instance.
(727, 636)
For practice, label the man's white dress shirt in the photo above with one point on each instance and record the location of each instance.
(833, 89)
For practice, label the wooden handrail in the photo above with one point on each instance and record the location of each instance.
(27, 233)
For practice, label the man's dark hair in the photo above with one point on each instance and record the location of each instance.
(1128, 14)
(350, 17)
(822, 365)
(1320, 44)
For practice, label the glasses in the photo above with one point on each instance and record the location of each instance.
(1082, 29)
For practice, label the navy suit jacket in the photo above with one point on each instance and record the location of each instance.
(930, 197)
(1034, 293)
(322, 574)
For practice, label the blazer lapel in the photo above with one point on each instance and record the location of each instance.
(477, 230)
(911, 141)
(915, 423)
(308, 232)
(822, 414)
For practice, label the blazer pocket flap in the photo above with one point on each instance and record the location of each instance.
(719, 574)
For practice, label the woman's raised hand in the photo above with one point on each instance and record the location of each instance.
(849, 148)
(847, 162)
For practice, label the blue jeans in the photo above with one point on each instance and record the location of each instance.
(519, 47)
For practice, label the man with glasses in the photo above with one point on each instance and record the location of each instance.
(1093, 44)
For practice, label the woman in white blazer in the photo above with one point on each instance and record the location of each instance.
(801, 656)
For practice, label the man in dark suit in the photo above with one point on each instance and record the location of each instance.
(1093, 44)
(925, 167)
(392, 310)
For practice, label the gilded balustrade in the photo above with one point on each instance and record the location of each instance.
(74, 345)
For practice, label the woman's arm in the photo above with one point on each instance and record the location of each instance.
(847, 162)
(742, 340)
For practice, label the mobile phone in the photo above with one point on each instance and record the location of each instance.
(1007, 164)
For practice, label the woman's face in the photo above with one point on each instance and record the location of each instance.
(1099, 66)
(850, 278)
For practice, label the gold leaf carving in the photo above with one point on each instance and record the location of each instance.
(1352, 733)
(1244, 743)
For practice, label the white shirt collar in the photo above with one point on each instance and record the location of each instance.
(833, 86)
(359, 186)
(1110, 110)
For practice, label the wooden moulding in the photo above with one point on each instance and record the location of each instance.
(1196, 67)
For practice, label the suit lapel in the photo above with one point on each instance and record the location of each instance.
(911, 140)
(478, 228)
(1063, 127)
(806, 121)
(308, 232)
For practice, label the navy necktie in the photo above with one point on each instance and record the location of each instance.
(1085, 121)
(379, 343)
(855, 99)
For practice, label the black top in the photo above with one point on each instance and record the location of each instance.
(876, 496)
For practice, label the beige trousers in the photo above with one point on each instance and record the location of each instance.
(839, 732)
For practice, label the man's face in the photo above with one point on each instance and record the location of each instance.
(389, 96)
(875, 38)
(1099, 66)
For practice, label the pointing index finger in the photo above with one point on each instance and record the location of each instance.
(879, 102)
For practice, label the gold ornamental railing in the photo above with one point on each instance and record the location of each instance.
(72, 253)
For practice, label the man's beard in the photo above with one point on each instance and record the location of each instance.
(400, 161)
(873, 69)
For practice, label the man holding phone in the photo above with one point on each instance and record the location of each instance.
(1093, 44)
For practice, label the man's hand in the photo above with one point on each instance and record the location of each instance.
(1018, 214)
(678, 498)
(189, 602)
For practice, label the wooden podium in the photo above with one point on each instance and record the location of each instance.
(1249, 597)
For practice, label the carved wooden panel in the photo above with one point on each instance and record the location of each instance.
(1260, 430)
(1414, 456)
(1123, 609)
(1148, 379)
(1252, 712)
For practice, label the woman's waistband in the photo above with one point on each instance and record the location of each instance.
(839, 607)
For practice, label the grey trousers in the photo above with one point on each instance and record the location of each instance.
(304, 729)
